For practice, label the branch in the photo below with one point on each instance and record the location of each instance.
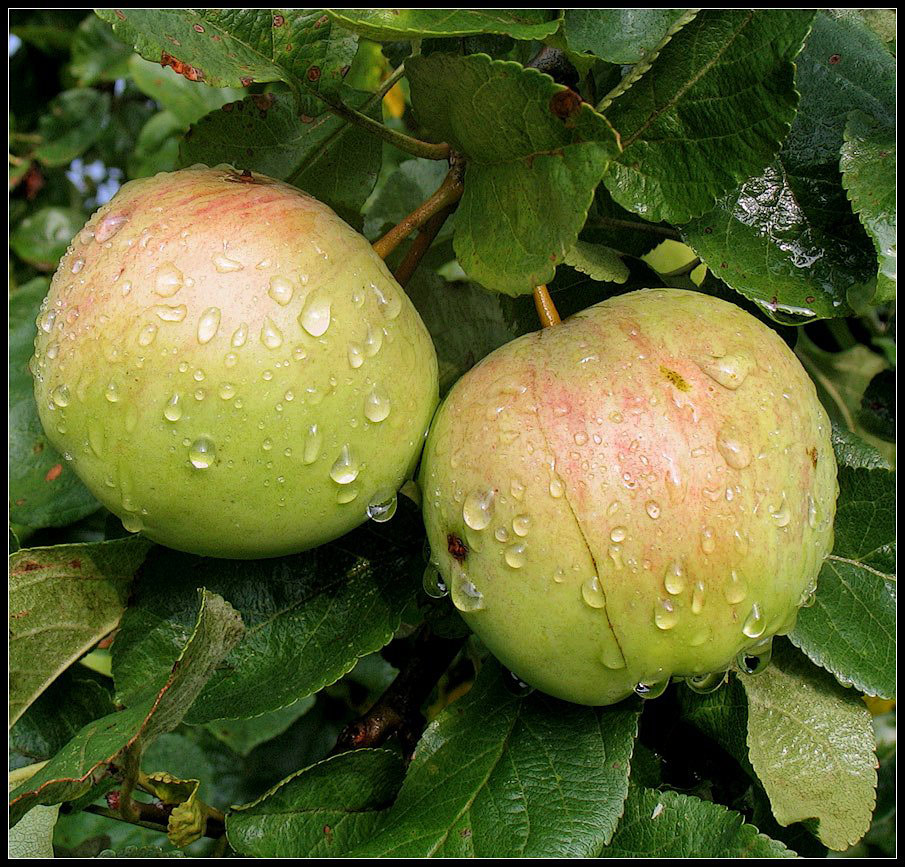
(546, 309)
(449, 192)
(398, 710)
(613, 223)
(420, 246)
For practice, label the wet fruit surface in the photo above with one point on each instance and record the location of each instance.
(230, 368)
(644, 491)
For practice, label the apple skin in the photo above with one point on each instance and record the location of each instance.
(219, 355)
(642, 491)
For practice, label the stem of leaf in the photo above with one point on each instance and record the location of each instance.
(546, 309)
(613, 223)
(449, 192)
(420, 246)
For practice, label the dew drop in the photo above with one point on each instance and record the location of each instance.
(312, 446)
(478, 509)
(557, 489)
(501, 534)
(697, 597)
(373, 341)
(705, 683)
(674, 579)
(618, 534)
(653, 689)
(112, 392)
(230, 359)
(202, 453)
(345, 468)
(224, 265)
(60, 395)
(226, 390)
(377, 405)
(147, 334)
(109, 226)
(208, 324)
(592, 593)
(665, 614)
(271, 336)
(515, 685)
(520, 525)
(173, 409)
(731, 446)
(389, 302)
(652, 507)
(756, 659)
(281, 290)
(517, 489)
(382, 506)
(432, 582)
(346, 495)
(355, 355)
(240, 335)
(169, 280)
(315, 316)
(77, 265)
(781, 515)
(581, 438)
(736, 588)
(515, 555)
(171, 313)
(755, 623)
(813, 513)
(466, 597)
(730, 371)
(708, 542)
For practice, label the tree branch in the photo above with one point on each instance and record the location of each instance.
(420, 246)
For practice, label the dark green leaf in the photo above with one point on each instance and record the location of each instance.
(878, 406)
(43, 236)
(97, 55)
(74, 121)
(619, 35)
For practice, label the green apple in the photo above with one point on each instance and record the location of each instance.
(230, 368)
(643, 491)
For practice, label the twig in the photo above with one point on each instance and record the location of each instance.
(449, 192)
(546, 309)
(398, 710)
(613, 223)
(420, 246)
(152, 816)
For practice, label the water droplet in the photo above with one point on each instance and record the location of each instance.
(478, 509)
(652, 507)
(312, 447)
(355, 356)
(132, 523)
(382, 506)
(520, 525)
(147, 334)
(112, 392)
(224, 265)
(674, 579)
(240, 335)
(654, 689)
(515, 685)
(169, 280)
(697, 597)
(557, 489)
(345, 467)
(755, 623)
(346, 495)
(731, 445)
(736, 588)
(466, 597)
(271, 336)
(77, 265)
(581, 438)
(109, 226)
(730, 371)
(592, 593)
(813, 513)
(781, 515)
(618, 534)
(281, 290)
(389, 302)
(60, 395)
(315, 316)
(665, 614)
(226, 390)
(377, 405)
(171, 313)
(756, 659)
(515, 555)
(432, 582)
(202, 453)
(501, 534)
(708, 542)
(704, 683)
(517, 489)
(373, 341)
(230, 359)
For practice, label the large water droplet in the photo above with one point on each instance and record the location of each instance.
(652, 689)
(733, 448)
(377, 405)
(388, 301)
(60, 395)
(592, 593)
(315, 316)
(515, 685)
(173, 409)
(756, 659)
(708, 542)
(312, 447)
(132, 523)
(674, 579)
(433, 583)
(271, 336)
(224, 265)
(355, 355)
(755, 623)
(652, 507)
(346, 494)
(281, 290)
(202, 453)
(373, 341)
(112, 392)
(781, 515)
(665, 614)
(618, 534)
(345, 467)
(147, 334)
(478, 509)
(465, 596)
(169, 280)
(704, 683)
(171, 313)
(208, 324)
(697, 597)
(557, 488)
(515, 555)
(109, 226)
(240, 335)
(736, 588)
(382, 506)
(520, 525)
(730, 371)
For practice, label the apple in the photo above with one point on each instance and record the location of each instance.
(230, 368)
(643, 491)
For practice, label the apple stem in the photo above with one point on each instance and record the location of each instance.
(449, 192)
(420, 246)
(546, 309)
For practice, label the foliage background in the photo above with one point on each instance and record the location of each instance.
(87, 113)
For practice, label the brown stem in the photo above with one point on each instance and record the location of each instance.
(546, 309)
(449, 192)
(420, 246)
(154, 816)
(398, 710)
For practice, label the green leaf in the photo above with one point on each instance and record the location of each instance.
(812, 745)
(310, 617)
(323, 811)
(618, 35)
(157, 146)
(97, 55)
(32, 837)
(869, 176)
(878, 406)
(74, 121)
(671, 825)
(243, 735)
(389, 25)
(237, 47)
(326, 156)
(43, 490)
(188, 101)
(495, 775)
(852, 451)
(43, 236)
(536, 154)
(113, 739)
(851, 628)
(406, 188)
(710, 112)
(600, 263)
(72, 701)
(62, 601)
